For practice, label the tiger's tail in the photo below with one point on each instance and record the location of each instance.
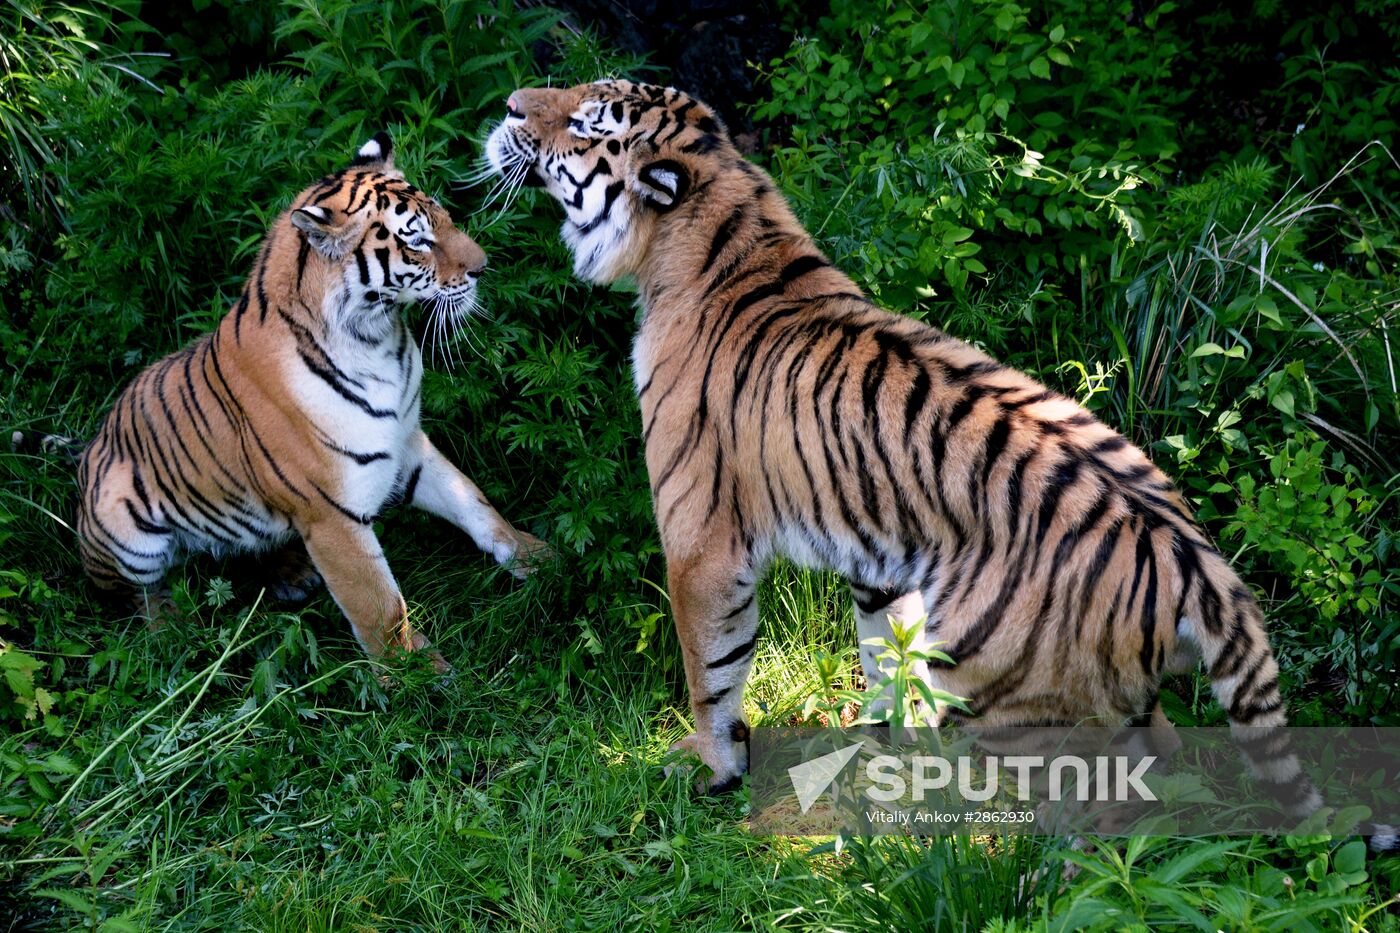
(1225, 621)
(49, 445)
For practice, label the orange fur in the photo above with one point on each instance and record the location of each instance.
(298, 414)
(784, 414)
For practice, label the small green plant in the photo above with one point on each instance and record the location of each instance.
(901, 698)
(28, 699)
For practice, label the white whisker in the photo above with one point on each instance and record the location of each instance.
(483, 171)
(502, 183)
(512, 193)
(494, 191)
(509, 181)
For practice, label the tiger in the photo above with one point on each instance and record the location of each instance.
(298, 415)
(785, 415)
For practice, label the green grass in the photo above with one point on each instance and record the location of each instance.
(281, 787)
(248, 770)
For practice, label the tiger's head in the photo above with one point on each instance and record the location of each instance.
(377, 242)
(619, 156)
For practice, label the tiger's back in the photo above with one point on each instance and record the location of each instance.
(1053, 560)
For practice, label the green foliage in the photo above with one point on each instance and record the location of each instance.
(901, 697)
(29, 699)
(1155, 883)
(38, 47)
(1312, 524)
(1166, 210)
(951, 132)
(1010, 173)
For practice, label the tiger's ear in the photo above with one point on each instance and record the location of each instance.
(325, 229)
(662, 183)
(378, 154)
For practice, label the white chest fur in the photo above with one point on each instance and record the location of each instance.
(363, 400)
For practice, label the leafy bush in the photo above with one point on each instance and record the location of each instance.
(38, 47)
(172, 191)
(1011, 174)
(952, 133)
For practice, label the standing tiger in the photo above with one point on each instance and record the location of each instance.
(298, 414)
(784, 414)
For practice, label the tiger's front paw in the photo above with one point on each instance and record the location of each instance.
(157, 607)
(716, 777)
(526, 554)
(417, 641)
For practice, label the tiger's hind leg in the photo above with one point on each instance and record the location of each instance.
(287, 573)
(874, 608)
(124, 546)
(714, 600)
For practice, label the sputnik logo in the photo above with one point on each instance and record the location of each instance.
(811, 778)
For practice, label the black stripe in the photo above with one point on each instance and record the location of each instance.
(412, 485)
(1060, 481)
(303, 253)
(722, 237)
(141, 523)
(258, 279)
(1149, 602)
(715, 698)
(357, 519)
(755, 295)
(738, 654)
(329, 378)
(1232, 653)
(996, 444)
(239, 310)
(961, 410)
(748, 601)
(800, 267)
(1110, 445)
(360, 458)
(918, 395)
(1263, 743)
(610, 194)
(871, 600)
(272, 462)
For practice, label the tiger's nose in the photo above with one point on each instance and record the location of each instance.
(513, 107)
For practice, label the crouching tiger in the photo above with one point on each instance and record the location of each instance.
(784, 414)
(298, 414)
